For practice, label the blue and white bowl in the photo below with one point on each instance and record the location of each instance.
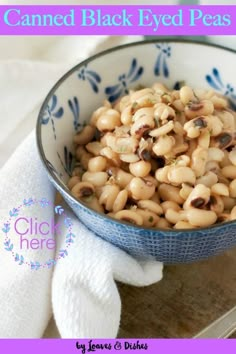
(109, 75)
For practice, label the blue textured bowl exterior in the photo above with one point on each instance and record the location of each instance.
(69, 106)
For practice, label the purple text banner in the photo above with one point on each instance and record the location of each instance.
(118, 20)
(106, 346)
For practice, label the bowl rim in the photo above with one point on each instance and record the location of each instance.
(76, 68)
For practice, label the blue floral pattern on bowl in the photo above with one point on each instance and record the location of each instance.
(215, 81)
(91, 76)
(161, 66)
(69, 107)
(68, 161)
(116, 91)
(52, 111)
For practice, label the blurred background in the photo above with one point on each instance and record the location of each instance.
(27, 48)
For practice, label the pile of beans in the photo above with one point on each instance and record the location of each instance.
(159, 158)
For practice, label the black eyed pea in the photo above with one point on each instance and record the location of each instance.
(233, 214)
(215, 154)
(229, 202)
(162, 223)
(130, 216)
(129, 158)
(232, 157)
(126, 115)
(94, 204)
(212, 166)
(204, 140)
(209, 179)
(149, 218)
(141, 93)
(174, 94)
(120, 201)
(94, 148)
(83, 190)
(98, 179)
(195, 126)
(178, 105)
(183, 225)
(198, 198)
(220, 189)
(123, 103)
(170, 193)
(97, 164)
(227, 117)
(142, 125)
(121, 177)
(108, 196)
(173, 216)
(85, 136)
(196, 109)
(216, 204)
(215, 126)
(163, 130)
(229, 172)
(199, 160)
(123, 130)
(167, 98)
(111, 156)
(223, 140)
(159, 88)
(182, 160)
(163, 145)
(120, 145)
(232, 189)
(97, 114)
(170, 205)
(224, 217)
(108, 121)
(219, 102)
(226, 161)
(104, 138)
(141, 189)
(151, 206)
(201, 218)
(73, 181)
(145, 112)
(178, 175)
(98, 191)
(161, 174)
(186, 95)
(180, 148)
(148, 100)
(193, 144)
(151, 180)
(192, 132)
(83, 156)
(185, 191)
(140, 169)
(178, 128)
(164, 112)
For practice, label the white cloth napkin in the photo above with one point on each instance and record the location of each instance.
(80, 291)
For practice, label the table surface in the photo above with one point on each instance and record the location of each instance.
(186, 300)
